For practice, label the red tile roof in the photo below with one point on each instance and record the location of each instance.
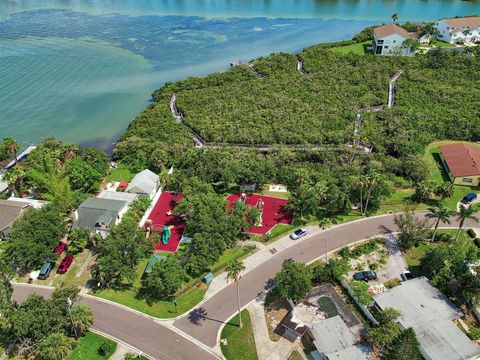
(462, 159)
(390, 29)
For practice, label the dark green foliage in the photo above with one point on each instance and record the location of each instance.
(38, 319)
(78, 239)
(382, 335)
(120, 252)
(212, 229)
(403, 347)
(164, 280)
(321, 274)
(56, 346)
(34, 236)
(294, 281)
(360, 288)
(105, 348)
(82, 176)
(447, 266)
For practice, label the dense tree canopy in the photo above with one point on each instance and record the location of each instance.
(294, 281)
(34, 236)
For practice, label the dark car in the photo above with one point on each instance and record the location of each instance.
(365, 275)
(65, 264)
(297, 234)
(60, 248)
(406, 275)
(46, 269)
(467, 199)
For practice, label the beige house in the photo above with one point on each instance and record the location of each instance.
(462, 163)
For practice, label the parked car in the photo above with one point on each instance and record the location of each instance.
(406, 275)
(365, 275)
(297, 234)
(65, 264)
(467, 199)
(60, 248)
(46, 269)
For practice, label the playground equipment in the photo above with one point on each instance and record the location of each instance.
(243, 197)
(165, 235)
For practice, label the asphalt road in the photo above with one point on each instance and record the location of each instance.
(134, 329)
(204, 322)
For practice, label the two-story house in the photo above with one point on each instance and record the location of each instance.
(459, 30)
(389, 40)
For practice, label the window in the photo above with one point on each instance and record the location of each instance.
(386, 47)
(394, 41)
(467, 180)
(380, 42)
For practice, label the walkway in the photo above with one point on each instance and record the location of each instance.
(205, 321)
(391, 88)
(396, 261)
(266, 348)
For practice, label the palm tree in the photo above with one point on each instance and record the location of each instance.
(10, 177)
(440, 213)
(233, 273)
(466, 213)
(11, 145)
(445, 190)
(394, 17)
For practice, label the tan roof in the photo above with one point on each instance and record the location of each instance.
(390, 29)
(10, 211)
(462, 159)
(462, 22)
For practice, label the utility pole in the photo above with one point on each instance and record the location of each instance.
(69, 307)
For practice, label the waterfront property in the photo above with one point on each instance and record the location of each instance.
(145, 183)
(389, 40)
(9, 212)
(462, 163)
(99, 215)
(432, 316)
(459, 30)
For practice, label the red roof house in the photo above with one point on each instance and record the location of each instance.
(462, 163)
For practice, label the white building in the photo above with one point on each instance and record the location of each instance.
(431, 315)
(389, 40)
(459, 30)
(145, 183)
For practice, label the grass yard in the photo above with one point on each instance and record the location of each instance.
(87, 348)
(120, 173)
(439, 175)
(160, 309)
(360, 48)
(240, 342)
(228, 256)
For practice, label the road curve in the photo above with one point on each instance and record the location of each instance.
(204, 321)
(134, 329)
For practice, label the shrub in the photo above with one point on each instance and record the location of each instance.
(477, 242)
(105, 348)
(345, 252)
(471, 233)
(391, 283)
(474, 333)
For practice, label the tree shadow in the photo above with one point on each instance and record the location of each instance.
(198, 315)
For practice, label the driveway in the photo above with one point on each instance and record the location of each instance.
(396, 261)
(204, 322)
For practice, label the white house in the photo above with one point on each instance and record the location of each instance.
(145, 183)
(459, 30)
(388, 40)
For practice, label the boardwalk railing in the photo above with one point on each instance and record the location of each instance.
(391, 88)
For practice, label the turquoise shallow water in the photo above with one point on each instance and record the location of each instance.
(82, 69)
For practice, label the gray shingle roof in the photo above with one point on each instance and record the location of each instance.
(10, 211)
(430, 313)
(144, 182)
(96, 213)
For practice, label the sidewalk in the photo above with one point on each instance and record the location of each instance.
(266, 348)
(258, 258)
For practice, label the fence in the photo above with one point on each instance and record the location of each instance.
(362, 307)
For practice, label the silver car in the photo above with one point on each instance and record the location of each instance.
(297, 234)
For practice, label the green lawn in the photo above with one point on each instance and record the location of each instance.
(443, 44)
(160, 309)
(360, 48)
(228, 256)
(120, 173)
(87, 348)
(241, 343)
(439, 175)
